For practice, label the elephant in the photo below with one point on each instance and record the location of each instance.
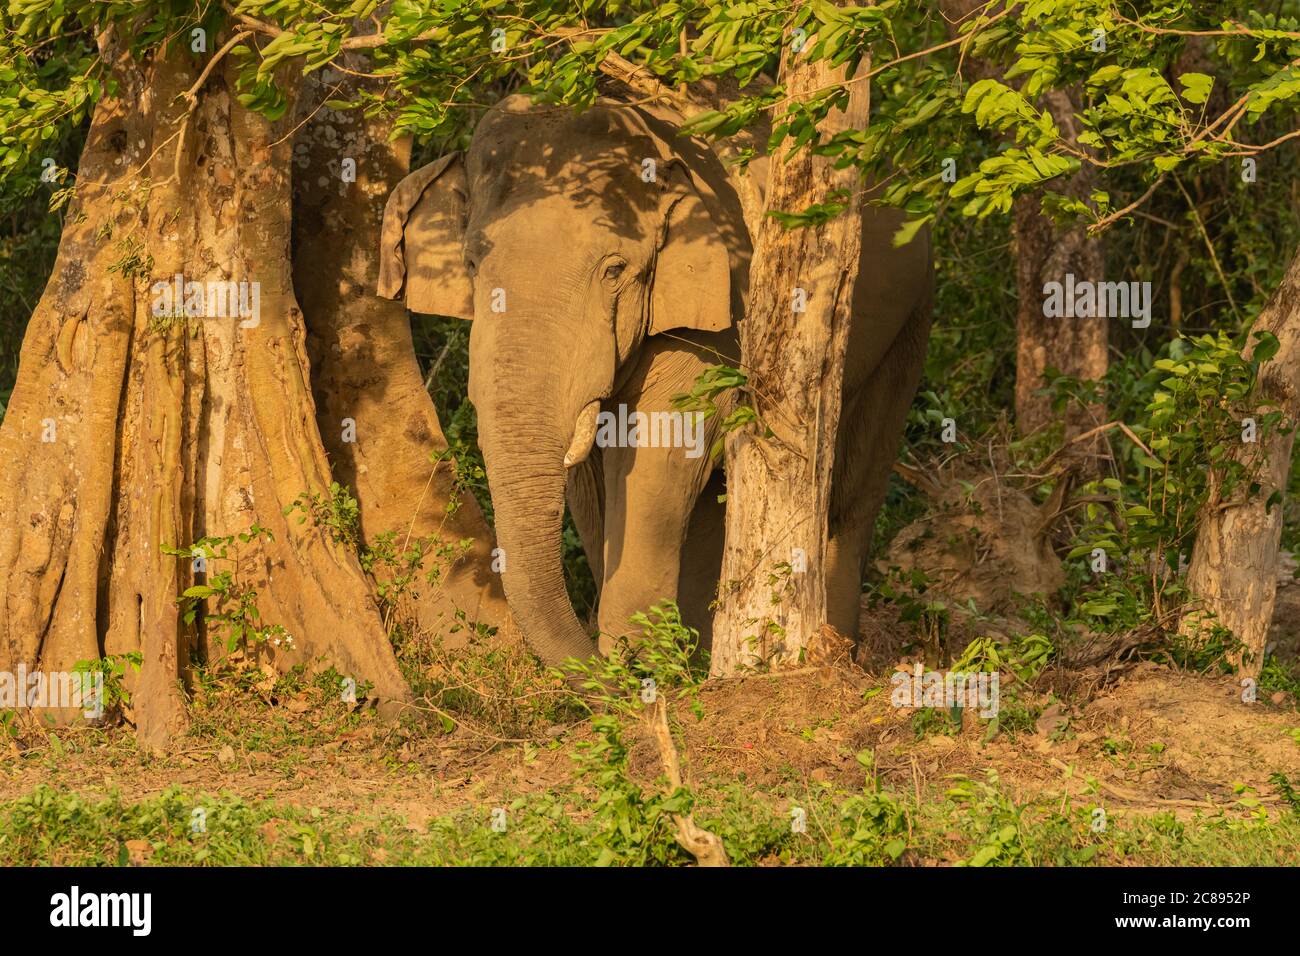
(603, 259)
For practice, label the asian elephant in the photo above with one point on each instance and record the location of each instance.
(603, 259)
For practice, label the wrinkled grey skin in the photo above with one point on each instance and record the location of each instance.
(619, 290)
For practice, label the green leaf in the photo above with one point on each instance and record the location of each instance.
(1266, 346)
(908, 231)
(1196, 87)
(985, 856)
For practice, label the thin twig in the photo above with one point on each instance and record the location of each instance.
(1214, 256)
(192, 96)
(1102, 223)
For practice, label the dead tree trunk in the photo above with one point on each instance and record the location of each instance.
(772, 597)
(378, 423)
(136, 427)
(1234, 566)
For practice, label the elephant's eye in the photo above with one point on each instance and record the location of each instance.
(614, 270)
(471, 266)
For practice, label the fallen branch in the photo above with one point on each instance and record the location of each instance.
(1097, 431)
(702, 844)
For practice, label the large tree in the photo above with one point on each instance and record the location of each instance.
(779, 484)
(163, 440)
(376, 418)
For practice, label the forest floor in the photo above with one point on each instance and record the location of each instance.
(814, 765)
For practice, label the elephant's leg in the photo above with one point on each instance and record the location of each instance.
(701, 563)
(650, 492)
(645, 531)
(871, 424)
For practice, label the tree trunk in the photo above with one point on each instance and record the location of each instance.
(1234, 566)
(778, 488)
(364, 367)
(130, 431)
(1073, 346)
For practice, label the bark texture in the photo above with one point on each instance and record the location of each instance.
(170, 428)
(1234, 566)
(364, 366)
(1074, 346)
(59, 440)
(779, 488)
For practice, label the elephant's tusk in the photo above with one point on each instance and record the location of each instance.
(584, 432)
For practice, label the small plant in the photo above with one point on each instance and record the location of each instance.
(467, 475)
(1277, 676)
(336, 511)
(1206, 650)
(134, 258)
(873, 825)
(933, 721)
(633, 827)
(1026, 657)
(907, 591)
(703, 397)
(663, 652)
(996, 817)
(398, 571)
(1114, 746)
(638, 681)
(1286, 790)
(224, 599)
(1187, 457)
(494, 686)
(113, 668)
(1023, 659)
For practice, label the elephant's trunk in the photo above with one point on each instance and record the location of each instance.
(524, 454)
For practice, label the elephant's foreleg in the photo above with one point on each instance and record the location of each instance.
(651, 492)
(648, 509)
(871, 424)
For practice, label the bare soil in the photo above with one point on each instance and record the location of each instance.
(1156, 740)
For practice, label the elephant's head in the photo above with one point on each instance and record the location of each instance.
(568, 239)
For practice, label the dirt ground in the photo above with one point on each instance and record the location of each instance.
(1150, 738)
(1155, 740)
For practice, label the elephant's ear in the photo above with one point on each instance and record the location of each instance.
(692, 283)
(420, 248)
